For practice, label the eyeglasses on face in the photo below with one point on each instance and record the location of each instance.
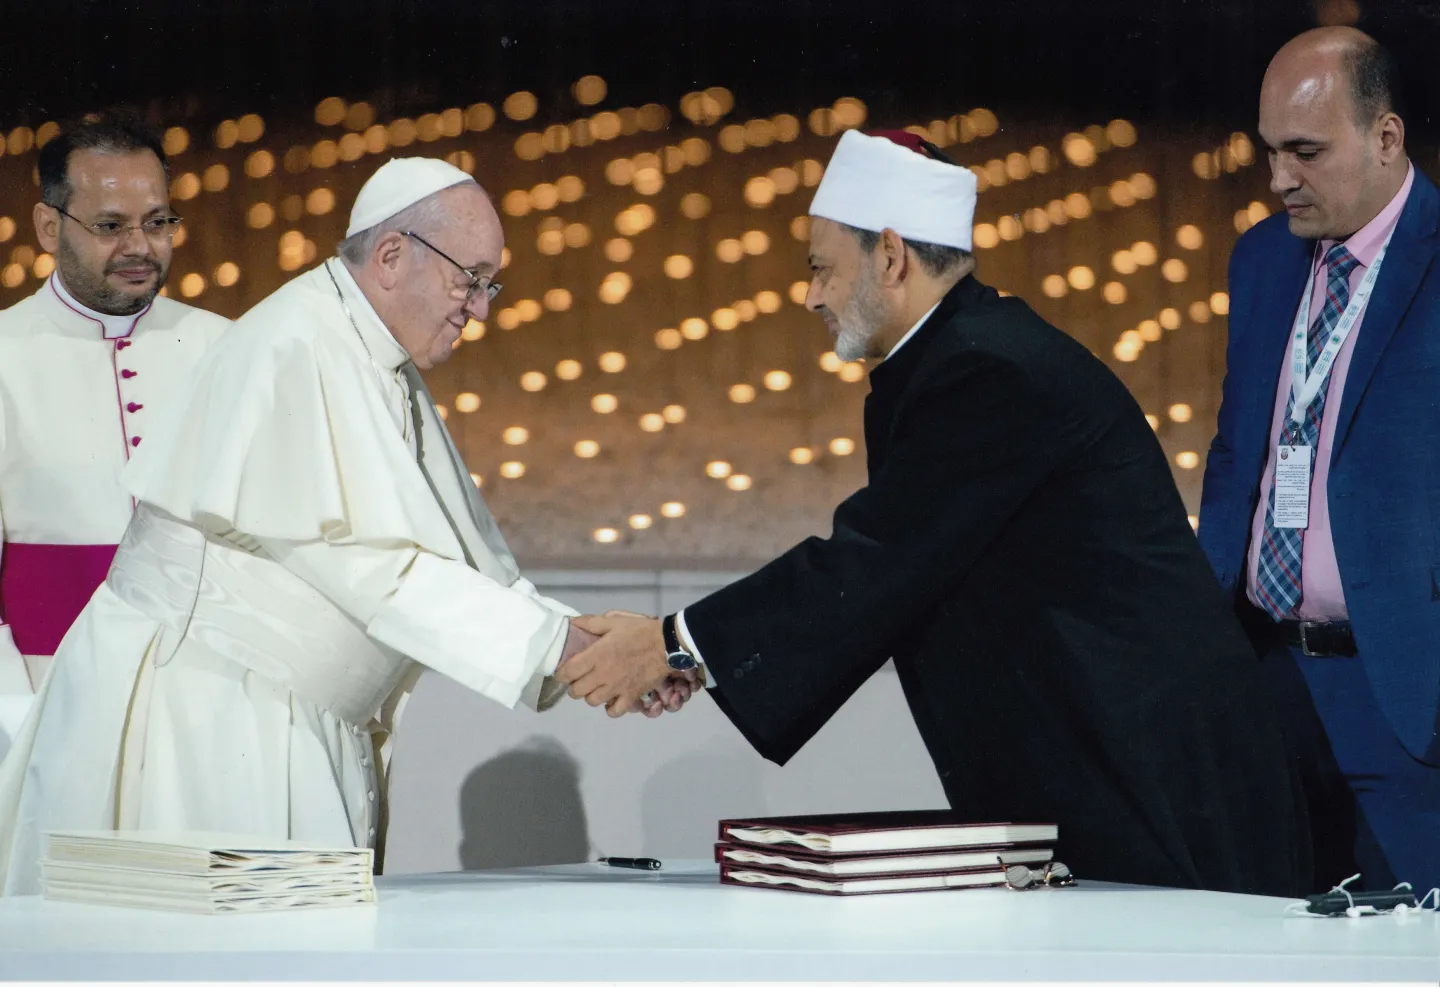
(477, 281)
(154, 228)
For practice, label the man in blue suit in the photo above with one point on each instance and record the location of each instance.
(1321, 506)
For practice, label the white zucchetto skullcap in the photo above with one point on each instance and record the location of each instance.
(398, 185)
(876, 183)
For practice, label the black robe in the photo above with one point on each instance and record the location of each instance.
(1022, 553)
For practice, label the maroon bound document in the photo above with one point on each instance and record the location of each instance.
(880, 832)
(823, 865)
(778, 880)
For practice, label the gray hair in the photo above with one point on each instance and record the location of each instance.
(426, 217)
(937, 259)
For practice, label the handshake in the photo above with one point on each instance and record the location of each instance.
(619, 661)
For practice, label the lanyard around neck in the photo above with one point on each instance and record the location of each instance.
(1305, 387)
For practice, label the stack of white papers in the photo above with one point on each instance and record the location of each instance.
(206, 873)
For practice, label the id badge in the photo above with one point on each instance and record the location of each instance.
(1292, 487)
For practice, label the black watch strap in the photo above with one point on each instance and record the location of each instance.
(677, 656)
(672, 636)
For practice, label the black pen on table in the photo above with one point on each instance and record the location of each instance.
(632, 863)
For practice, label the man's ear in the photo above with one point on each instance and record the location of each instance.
(387, 259)
(897, 262)
(1392, 137)
(47, 227)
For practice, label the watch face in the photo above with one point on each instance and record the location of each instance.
(680, 661)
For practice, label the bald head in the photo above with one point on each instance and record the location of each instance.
(1336, 143)
(1353, 59)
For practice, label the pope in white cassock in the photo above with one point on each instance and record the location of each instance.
(307, 540)
(87, 364)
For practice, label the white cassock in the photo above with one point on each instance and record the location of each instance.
(79, 391)
(307, 539)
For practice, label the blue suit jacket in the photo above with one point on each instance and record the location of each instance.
(1384, 486)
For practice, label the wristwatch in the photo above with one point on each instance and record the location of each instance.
(675, 654)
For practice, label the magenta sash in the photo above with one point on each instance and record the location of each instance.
(43, 588)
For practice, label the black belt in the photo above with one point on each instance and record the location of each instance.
(1319, 640)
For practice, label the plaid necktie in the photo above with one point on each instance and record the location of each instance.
(1279, 585)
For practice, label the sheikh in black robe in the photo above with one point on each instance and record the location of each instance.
(1022, 553)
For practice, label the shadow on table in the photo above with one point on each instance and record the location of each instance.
(522, 808)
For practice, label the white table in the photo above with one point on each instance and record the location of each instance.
(587, 921)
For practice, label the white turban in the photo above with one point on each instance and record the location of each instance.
(398, 185)
(875, 183)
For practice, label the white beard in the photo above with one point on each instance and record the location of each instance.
(861, 320)
(853, 342)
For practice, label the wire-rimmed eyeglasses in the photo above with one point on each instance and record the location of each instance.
(1054, 874)
(477, 281)
(154, 228)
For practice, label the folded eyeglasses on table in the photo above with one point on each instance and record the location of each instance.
(1054, 874)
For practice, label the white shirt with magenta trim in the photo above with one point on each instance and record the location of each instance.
(78, 392)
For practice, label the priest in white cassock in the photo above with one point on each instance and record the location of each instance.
(307, 540)
(86, 364)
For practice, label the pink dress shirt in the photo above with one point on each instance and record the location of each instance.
(1322, 594)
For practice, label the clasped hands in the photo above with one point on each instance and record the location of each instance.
(618, 661)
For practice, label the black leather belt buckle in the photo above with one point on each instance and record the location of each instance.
(1320, 640)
